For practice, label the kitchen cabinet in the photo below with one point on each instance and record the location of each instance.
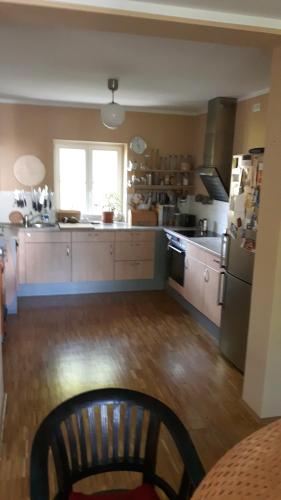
(134, 255)
(92, 261)
(92, 255)
(193, 282)
(201, 281)
(47, 257)
(48, 263)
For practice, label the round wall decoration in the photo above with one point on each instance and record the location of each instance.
(29, 170)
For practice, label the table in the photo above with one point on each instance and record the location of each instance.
(249, 471)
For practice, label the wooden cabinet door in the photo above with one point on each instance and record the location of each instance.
(211, 309)
(193, 282)
(92, 261)
(134, 270)
(134, 251)
(48, 262)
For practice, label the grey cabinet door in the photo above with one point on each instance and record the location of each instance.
(235, 320)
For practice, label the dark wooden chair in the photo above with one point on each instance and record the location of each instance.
(71, 431)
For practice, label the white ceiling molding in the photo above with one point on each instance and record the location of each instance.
(252, 95)
(61, 104)
(172, 11)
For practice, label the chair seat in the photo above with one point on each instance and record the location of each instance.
(143, 492)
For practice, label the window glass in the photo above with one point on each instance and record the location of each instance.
(105, 178)
(72, 178)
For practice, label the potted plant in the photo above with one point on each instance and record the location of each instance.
(112, 204)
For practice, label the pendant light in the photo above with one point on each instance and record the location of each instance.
(112, 114)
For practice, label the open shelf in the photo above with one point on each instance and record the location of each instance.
(162, 188)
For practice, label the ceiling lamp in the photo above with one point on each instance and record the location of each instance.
(112, 114)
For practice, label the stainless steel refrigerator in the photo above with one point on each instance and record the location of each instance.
(238, 255)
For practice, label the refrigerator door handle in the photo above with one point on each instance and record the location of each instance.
(220, 299)
(224, 250)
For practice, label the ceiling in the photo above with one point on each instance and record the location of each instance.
(63, 65)
(270, 8)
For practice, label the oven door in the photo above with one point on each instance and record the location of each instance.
(176, 263)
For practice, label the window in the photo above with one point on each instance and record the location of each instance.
(88, 175)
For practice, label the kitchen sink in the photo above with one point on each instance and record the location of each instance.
(40, 225)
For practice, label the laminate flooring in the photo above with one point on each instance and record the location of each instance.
(57, 347)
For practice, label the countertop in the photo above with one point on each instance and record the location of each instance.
(211, 243)
(116, 226)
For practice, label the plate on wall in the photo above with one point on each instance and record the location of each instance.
(29, 170)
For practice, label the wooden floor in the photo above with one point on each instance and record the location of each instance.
(60, 346)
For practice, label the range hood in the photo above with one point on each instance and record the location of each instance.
(215, 172)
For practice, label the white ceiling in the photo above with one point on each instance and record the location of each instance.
(67, 66)
(258, 13)
(269, 8)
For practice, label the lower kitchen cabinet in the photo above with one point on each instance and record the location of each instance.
(210, 307)
(193, 282)
(201, 282)
(48, 263)
(92, 261)
(130, 270)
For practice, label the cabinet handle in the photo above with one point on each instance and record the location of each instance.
(206, 276)
(68, 252)
(111, 250)
(186, 264)
(221, 289)
(217, 261)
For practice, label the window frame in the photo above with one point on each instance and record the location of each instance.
(90, 146)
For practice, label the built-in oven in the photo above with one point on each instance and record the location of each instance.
(176, 259)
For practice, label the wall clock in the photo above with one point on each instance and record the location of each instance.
(138, 145)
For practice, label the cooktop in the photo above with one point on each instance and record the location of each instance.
(195, 233)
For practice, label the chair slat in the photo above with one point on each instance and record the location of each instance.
(138, 433)
(72, 443)
(93, 435)
(151, 447)
(116, 429)
(82, 439)
(60, 459)
(127, 430)
(186, 488)
(104, 432)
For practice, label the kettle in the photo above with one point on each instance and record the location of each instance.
(203, 224)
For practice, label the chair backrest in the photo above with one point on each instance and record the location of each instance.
(92, 433)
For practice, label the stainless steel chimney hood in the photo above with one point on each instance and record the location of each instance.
(216, 169)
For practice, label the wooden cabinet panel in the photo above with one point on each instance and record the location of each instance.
(47, 236)
(193, 282)
(145, 236)
(48, 263)
(134, 251)
(91, 236)
(137, 270)
(92, 261)
(211, 309)
(213, 261)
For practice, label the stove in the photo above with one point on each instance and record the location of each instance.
(195, 233)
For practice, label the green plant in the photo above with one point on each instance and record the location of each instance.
(112, 202)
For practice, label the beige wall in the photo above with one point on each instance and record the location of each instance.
(26, 129)
(249, 126)
(263, 366)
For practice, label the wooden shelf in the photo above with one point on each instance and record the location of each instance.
(152, 170)
(162, 188)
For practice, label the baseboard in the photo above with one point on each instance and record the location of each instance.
(2, 421)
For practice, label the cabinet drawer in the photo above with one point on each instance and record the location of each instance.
(37, 236)
(213, 261)
(197, 253)
(92, 236)
(145, 236)
(134, 250)
(134, 270)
